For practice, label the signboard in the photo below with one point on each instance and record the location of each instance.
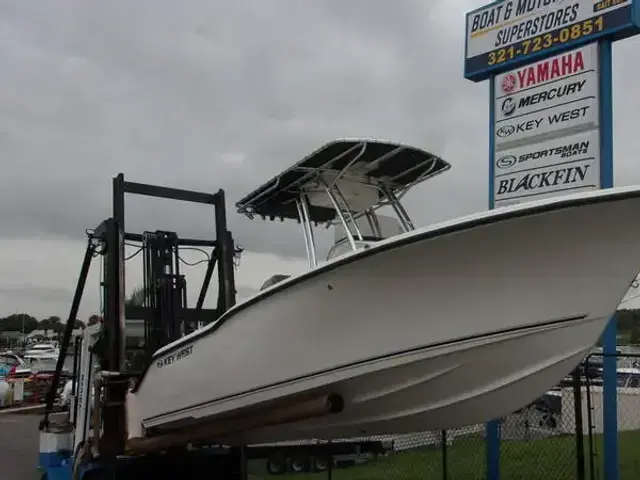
(547, 98)
(546, 128)
(565, 165)
(513, 32)
(551, 123)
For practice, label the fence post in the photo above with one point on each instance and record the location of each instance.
(592, 465)
(493, 450)
(577, 410)
(443, 440)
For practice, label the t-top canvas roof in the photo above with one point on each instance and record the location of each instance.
(392, 165)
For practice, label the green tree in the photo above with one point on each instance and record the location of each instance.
(18, 322)
(136, 355)
(46, 325)
(137, 297)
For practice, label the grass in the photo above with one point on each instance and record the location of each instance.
(531, 460)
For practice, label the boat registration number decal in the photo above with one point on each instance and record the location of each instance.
(175, 357)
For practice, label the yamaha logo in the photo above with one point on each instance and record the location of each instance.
(507, 161)
(506, 131)
(509, 82)
(508, 106)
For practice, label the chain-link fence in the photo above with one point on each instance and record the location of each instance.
(628, 415)
(558, 436)
(533, 447)
(433, 455)
(539, 441)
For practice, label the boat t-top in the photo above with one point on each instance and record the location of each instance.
(435, 327)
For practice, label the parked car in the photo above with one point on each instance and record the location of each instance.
(9, 362)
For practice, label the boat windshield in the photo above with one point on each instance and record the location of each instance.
(628, 379)
(372, 228)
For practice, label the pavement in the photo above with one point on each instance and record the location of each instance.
(19, 444)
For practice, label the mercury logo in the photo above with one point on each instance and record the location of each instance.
(508, 106)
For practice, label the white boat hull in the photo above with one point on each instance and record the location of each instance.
(443, 327)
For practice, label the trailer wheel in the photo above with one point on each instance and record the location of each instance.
(321, 463)
(277, 464)
(300, 463)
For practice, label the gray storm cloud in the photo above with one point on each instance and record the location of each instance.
(209, 95)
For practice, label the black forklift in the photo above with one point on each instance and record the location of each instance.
(74, 444)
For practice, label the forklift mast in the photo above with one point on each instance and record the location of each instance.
(164, 309)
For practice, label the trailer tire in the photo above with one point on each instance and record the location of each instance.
(277, 464)
(321, 463)
(300, 463)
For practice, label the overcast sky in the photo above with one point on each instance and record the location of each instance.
(206, 95)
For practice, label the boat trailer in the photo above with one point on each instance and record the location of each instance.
(90, 439)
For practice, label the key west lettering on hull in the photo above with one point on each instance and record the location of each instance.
(175, 357)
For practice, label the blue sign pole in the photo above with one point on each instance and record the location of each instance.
(609, 337)
(492, 429)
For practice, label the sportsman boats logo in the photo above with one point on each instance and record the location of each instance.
(506, 161)
(563, 152)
